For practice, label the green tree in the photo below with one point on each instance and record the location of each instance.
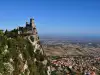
(1, 32)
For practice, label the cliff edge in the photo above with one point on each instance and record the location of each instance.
(22, 54)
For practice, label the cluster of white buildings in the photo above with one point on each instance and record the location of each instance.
(78, 65)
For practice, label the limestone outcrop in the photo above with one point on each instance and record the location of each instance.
(22, 54)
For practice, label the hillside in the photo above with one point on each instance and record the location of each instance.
(22, 55)
(57, 47)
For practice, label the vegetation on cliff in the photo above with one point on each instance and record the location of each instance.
(17, 56)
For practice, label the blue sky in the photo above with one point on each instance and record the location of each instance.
(53, 16)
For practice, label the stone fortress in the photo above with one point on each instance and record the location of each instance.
(30, 32)
(29, 29)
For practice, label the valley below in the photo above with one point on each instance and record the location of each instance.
(72, 57)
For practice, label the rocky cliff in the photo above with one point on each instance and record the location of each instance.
(22, 56)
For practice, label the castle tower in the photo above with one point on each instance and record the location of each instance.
(27, 23)
(34, 31)
(32, 23)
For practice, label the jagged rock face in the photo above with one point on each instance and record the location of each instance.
(19, 56)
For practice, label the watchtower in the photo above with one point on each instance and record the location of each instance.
(32, 23)
(34, 31)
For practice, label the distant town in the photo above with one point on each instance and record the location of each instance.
(70, 57)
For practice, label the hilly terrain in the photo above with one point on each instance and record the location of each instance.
(21, 55)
